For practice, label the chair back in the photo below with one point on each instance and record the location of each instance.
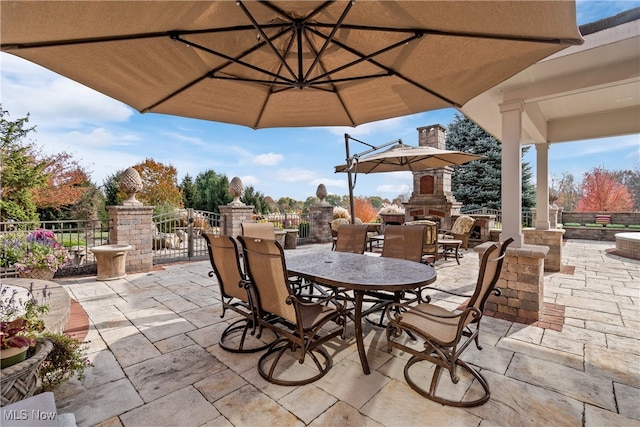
(352, 238)
(404, 242)
(489, 273)
(463, 225)
(225, 260)
(430, 236)
(260, 230)
(264, 259)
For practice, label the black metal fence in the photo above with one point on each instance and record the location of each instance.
(78, 236)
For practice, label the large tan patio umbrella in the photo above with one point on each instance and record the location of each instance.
(399, 157)
(403, 157)
(288, 63)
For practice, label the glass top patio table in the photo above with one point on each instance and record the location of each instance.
(359, 273)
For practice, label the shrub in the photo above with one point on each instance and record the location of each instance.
(67, 358)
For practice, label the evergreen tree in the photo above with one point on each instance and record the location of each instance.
(256, 199)
(188, 189)
(477, 184)
(211, 191)
(21, 173)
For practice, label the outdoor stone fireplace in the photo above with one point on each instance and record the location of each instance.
(432, 197)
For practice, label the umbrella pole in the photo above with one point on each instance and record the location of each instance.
(351, 204)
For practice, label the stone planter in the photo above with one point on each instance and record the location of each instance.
(291, 238)
(112, 261)
(280, 237)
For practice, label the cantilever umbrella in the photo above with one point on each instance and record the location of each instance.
(401, 157)
(407, 158)
(288, 63)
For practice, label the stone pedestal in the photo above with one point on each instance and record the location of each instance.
(321, 217)
(550, 238)
(111, 260)
(232, 217)
(521, 282)
(133, 225)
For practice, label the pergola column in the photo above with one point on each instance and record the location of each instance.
(512, 172)
(542, 187)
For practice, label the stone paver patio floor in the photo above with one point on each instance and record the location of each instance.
(154, 343)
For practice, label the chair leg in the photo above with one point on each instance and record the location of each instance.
(242, 327)
(268, 368)
(435, 380)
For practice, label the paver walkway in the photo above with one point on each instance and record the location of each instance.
(153, 340)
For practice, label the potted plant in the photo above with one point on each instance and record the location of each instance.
(36, 255)
(20, 324)
(50, 358)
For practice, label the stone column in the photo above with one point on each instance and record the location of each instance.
(321, 217)
(521, 282)
(232, 217)
(133, 225)
(550, 238)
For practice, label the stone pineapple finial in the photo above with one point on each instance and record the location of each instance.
(130, 183)
(321, 194)
(236, 189)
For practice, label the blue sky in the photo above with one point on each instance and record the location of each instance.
(105, 136)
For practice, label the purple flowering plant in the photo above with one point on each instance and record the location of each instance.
(39, 249)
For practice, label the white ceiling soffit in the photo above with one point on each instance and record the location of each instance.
(582, 92)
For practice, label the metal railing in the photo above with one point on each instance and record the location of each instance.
(177, 235)
(527, 220)
(292, 220)
(78, 236)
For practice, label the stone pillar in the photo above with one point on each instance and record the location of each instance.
(521, 282)
(232, 217)
(553, 217)
(512, 171)
(320, 228)
(550, 238)
(133, 225)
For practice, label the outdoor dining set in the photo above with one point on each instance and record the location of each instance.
(290, 304)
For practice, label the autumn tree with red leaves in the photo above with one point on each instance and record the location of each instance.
(67, 182)
(601, 192)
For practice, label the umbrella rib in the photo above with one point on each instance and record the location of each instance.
(260, 30)
(427, 31)
(328, 40)
(395, 73)
(363, 58)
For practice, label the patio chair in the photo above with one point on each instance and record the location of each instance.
(299, 320)
(334, 225)
(430, 248)
(262, 230)
(461, 229)
(446, 334)
(224, 257)
(403, 242)
(352, 238)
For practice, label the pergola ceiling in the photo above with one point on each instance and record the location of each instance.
(582, 92)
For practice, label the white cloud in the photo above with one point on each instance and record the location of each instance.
(268, 159)
(295, 175)
(52, 100)
(371, 128)
(248, 180)
(394, 189)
